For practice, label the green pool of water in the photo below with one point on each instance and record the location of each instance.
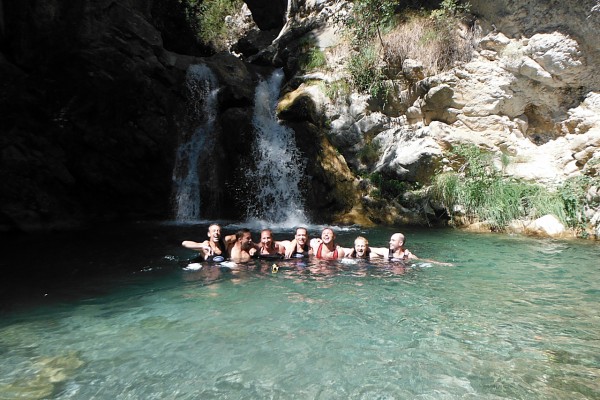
(513, 318)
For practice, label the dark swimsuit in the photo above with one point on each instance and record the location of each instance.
(276, 256)
(303, 254)
(395, 259)
(335, 253)
(218, 257)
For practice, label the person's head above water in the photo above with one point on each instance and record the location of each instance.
(397, 241)
(214, 232)
(301, 236)
(327, 235)
(266, 238)
(244, 238)
(361, 246)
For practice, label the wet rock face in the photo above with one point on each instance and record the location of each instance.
(88, 99)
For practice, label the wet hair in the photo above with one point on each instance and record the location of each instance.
(301, 227)
(240, 234)
(211, 225)
(328, 228)
(363, 239)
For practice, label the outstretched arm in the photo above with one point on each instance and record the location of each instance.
(281, 246)
(347, 251)
(229, 239)
(195, 245)
(379, 252)
(444, 264)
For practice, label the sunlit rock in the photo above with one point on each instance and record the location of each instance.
(548, 225)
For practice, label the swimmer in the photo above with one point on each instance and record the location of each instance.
(269, 249)
(298, 247)
(361, 249)
(243, 247)
(215, 248)
(396, 251)
(325, 248)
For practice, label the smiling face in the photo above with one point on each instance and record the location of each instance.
(266, 238)
(214, 233)
(327, 236)
(246, 241)
(301, 236)
(360, 247)
(396, 241)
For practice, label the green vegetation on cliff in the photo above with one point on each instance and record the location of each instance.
(479, 191)
(386, 38)
(208, 18)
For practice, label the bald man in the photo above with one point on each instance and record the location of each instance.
(396, 251)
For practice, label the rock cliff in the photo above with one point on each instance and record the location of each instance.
(89, 102)
(529, 94)
(94, 106)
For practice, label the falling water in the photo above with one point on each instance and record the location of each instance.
(279, 165)
(202, 88)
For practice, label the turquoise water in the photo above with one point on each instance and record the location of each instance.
(513, 318)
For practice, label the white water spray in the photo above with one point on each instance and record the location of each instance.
(203, 88)
(279, 165)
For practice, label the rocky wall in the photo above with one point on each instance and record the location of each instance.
(89, 97)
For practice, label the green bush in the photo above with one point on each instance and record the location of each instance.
(366, 73)
(486, 195)
(338, 89)
(369, 153)
(312, 59)
(368, 18)
(388, 188)
(208, 18)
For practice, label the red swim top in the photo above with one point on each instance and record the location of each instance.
(335, 252)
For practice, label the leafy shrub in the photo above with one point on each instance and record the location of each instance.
(312, 59)
(388, 188)
(486, 195)
(337, 89)
(369, 153)
(365, 71)
(368, 18)
(208, 17)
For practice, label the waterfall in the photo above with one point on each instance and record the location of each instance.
(279, 165)
(202, 87)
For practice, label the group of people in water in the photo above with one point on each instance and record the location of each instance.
(240, 247)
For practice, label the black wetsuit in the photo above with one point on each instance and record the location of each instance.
(219, 257)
